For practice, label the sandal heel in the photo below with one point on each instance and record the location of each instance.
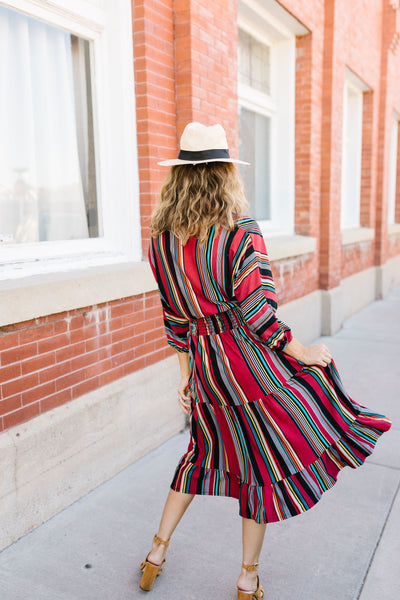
(151, 571)
(246, 595)
(257, 595)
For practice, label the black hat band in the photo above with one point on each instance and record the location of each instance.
(203, 154)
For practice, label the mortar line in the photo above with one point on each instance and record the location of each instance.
(371, 560)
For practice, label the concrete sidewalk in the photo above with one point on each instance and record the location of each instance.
(345, 548)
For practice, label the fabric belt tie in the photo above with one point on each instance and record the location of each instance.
(216, 323)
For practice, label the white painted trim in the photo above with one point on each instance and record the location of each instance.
(280, 107)
(112, 72)
(74, 288)
(355, 81)
(280, 20)
(255, 30)
(356, 235)
(256, 101)
(78, 16)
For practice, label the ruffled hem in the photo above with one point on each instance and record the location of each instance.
(298, 492)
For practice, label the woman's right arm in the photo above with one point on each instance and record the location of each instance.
(257, 300)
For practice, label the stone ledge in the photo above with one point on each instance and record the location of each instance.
(357, 235)
(394, 229)
(50, 293)
(287, 246)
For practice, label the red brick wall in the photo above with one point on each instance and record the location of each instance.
(332, 106)
(389, 100)
(49, 361)
(153, 38)
(368, 160)
(206, 65)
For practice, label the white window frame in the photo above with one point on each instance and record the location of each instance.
(109, 28)
(279, 105)
(393, 161)
(350, 211)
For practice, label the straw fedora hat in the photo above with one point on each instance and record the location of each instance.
(201, 144)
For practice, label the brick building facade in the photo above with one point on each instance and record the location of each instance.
(83, 357)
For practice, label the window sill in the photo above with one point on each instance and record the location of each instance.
(357, 235)
(288, 246)
(56, 292)
(394, 229)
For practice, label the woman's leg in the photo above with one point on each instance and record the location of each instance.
(253, 537)
(174, 509)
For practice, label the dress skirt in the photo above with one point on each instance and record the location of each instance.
(276, 454)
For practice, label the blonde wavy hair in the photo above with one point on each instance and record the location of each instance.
(196, 197)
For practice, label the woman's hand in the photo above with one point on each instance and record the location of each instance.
(316, 355)
(309, 355)
(183, 394)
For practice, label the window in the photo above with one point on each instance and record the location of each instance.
(47, 166)
(393, 165)
(266, 89)
(254, 63)
(351, 156)
(68, 164)
(255, 136)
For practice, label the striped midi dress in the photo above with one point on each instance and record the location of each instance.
(264, 427)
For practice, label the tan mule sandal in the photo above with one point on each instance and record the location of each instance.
(258, 594)
(150, 570)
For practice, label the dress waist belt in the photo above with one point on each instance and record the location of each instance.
(216, 323)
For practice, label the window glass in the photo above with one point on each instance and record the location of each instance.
(254, 147)
(254, 63)
(47, 161)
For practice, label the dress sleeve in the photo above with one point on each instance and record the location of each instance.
(176, 329)
(254, 290)
(176, 326)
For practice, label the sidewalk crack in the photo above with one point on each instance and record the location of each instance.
(378, 541)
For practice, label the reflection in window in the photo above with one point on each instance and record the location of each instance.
(47, 161)
(255, 123)
(254, 63)
(254, 147)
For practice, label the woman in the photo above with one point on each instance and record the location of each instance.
(270, 421)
